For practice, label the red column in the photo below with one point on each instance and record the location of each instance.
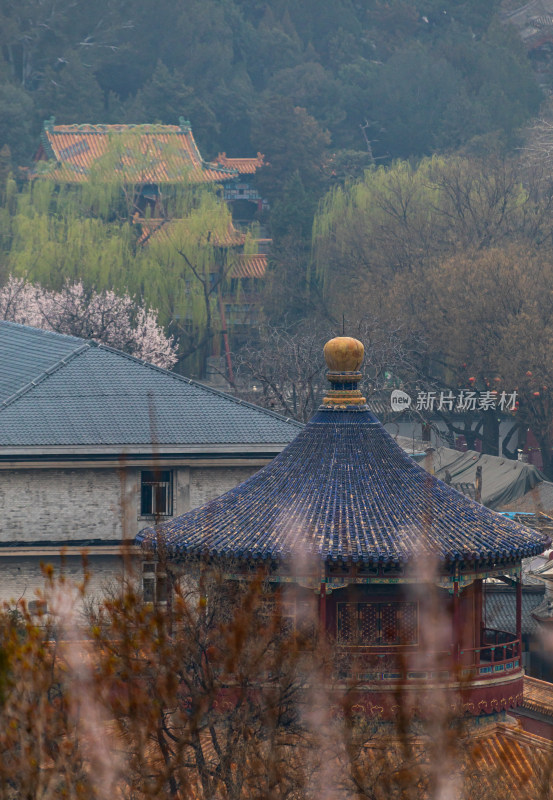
(456, 625)
(322, 610)
(519, 613)
(478, 616)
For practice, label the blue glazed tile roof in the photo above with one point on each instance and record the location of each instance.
(63, 391)
(344, 490)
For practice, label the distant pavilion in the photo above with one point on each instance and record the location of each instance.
(393, 558)
(156, 159)
(152, 156)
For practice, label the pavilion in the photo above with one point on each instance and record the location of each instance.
(393, 558)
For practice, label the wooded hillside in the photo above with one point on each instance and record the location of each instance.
(395, 79)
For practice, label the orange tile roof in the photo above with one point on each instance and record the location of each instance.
(538, 696)
(250, 266)
(498, 760)
(154, 154)
(245, 166)
(157, 229)
(508, 762)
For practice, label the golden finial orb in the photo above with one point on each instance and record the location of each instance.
(344, 354)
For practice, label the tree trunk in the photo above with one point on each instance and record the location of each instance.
(472, 434)
(490, 433)
(546, 455)
(514, 433)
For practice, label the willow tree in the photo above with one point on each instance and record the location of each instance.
(187, 271)
(400, 218)
(89, 232)
(51, 241)
(393, 244)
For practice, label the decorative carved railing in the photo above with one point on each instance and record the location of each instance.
(498, 656)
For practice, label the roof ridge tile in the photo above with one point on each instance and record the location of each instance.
(217, 392)
(28, 387)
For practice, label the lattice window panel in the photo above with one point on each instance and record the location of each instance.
(267, 608)
(306, 617)
(389, 628)
(368, 623)
(377, 623)
(288, 616)
(347, 623)
(408, 623)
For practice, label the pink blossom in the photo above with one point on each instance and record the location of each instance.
(106, 317)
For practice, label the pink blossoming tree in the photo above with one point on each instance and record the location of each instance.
(106, 317)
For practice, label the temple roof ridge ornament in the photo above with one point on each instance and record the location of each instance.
(344, 355)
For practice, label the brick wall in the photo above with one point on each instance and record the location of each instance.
(38, 505)
(22, 576)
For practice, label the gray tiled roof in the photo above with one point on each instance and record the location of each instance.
(500, 610)
(61, 391)
(27, 352)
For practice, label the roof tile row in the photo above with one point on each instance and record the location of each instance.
(143, 153)
(62, 391)
(343, 490)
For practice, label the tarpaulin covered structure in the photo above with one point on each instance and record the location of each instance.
(503, 480)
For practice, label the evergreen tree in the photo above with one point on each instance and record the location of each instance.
(293, 141)
(16, 118)
(68, 91)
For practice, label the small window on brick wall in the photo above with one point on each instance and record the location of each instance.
(154, 582)
(377, 623)
(37, 607)
(156, 493)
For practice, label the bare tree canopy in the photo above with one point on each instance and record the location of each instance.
(284, 369)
